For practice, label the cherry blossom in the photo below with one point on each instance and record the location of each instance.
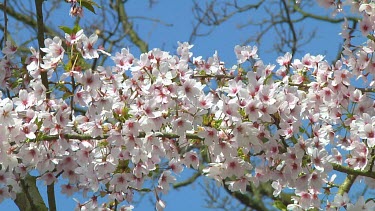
(244, 53)
(165, 180)
(87, 46)
(361, 205)
(9, 48)
(54, 50)
(74, 37)
(124, 59)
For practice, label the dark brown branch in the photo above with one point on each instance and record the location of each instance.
(40, 26)
(291, 27)
(51, 197)
(44, 77)
(89, 137)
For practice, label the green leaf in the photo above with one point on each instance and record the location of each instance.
(145, 190)
(279, 205)
(66, 29)
(216, 123)
(202, 72)
(69, 30)
(302, 130)
(103, 194)
(89, 4)
(294, 140)
(207, 119)
(371, 37)
(92, 2)
(66, 95)
(76, 28)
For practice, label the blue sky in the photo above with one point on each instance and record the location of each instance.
(223, 39)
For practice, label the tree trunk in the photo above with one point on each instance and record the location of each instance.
(30, 199)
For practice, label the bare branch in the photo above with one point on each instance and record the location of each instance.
(128, 27)
(27, 20)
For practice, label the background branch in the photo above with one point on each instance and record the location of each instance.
(128, 28)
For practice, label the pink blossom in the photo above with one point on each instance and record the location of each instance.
(181, 126)
(368, 8)
(284, 60)
(74, 37)
(341, 200)
(90, 80)
(53, 49)
(24, 101)
(244, 53)
(183, 50)
(176, 166)
(9, 48)
(7, 114)
(165, 180)
(123, 60)
(29, 130)
(49, 178)
(238, 185)
(236, 167)
(191, 89)
(276, 185)
(361, 205)
(33, 62)
(191, 159)
(120, 182)
(366, 25)
(87, 48)
(68, 189)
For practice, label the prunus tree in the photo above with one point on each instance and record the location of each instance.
(108, 123)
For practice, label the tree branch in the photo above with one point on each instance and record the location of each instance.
(322, 18)
(128, 28)
(5, 23)
(351, 171)
(51, 197)
(89, 137)
(40, 25)
(26, 19)
(40, 36)
(247, 200)
(291, 27)
(347, 184)
(29, 198)
(187, 182)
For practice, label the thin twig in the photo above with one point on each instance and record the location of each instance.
(5, 23)
(40, 25)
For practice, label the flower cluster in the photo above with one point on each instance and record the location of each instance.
(112, 128)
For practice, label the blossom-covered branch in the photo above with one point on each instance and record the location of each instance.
(290, 126)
